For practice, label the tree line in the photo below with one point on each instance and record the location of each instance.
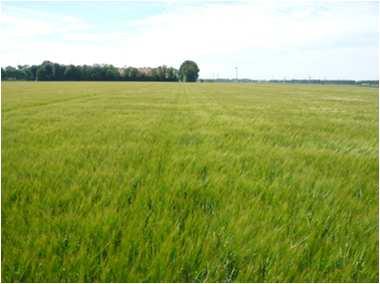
(331, 82)
(371, 83)
(49, 71)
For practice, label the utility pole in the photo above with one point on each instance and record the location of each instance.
(236, 72)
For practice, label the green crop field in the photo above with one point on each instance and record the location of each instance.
(189, 182)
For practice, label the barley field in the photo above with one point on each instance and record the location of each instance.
(189, 182)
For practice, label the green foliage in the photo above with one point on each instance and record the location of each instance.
(45, 72)
(71, 73)
(188, 72)
(49, 71)
(120, 182)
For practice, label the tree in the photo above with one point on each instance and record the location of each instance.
(58, 71)
(85, 72)
(130, 74)
(111, 73)
(172, 74)
(33, 70)
(71, 73)
(10, 73)
(188, 72)
(45, 71)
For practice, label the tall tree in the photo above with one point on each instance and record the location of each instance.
(188, 72)
(45, 71)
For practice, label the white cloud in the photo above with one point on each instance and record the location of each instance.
(216, 35)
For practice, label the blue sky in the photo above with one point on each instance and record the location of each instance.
(265, 39)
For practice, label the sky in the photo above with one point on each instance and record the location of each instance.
(263, 39)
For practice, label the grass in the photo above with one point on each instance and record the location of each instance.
(189, 182)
